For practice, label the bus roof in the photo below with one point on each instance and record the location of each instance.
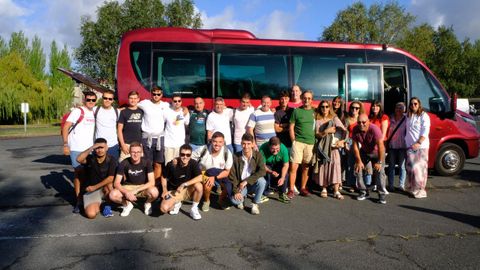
(243, 37)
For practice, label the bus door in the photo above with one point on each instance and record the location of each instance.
(369, 82)
(364, 83)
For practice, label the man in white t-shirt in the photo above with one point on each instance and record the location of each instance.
(106, 117)
(77, 135)
(240, 118)
(262, 123)
(219, 120)
(215, 162)
(176, 119)
(153, 125)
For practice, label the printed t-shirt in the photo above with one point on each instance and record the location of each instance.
(177, 174)
(132, 124)
(270, 159)
(135, 174)
(175, 123)
(197, 127)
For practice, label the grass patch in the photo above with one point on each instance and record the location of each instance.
(16, 131)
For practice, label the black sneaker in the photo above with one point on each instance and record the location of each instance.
(362, 196)
(381, 199)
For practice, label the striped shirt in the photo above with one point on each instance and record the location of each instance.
(263, 124)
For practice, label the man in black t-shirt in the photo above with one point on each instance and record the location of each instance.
(134, 179)
(182, 180)
(129, 128)
(282, 119)
(99, 171)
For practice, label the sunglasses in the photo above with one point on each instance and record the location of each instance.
(414, 103)
(355, 108)
(91, 100)
(362, 122)
(177, 100)
(107, 98)
(157, 94)
(324, 107)
(185, 154)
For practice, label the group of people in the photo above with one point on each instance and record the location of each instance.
(152, 149)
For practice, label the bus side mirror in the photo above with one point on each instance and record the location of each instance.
(437, 106)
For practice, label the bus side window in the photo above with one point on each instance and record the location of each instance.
(426, 89)
(394, 88)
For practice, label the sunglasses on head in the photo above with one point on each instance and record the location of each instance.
(107, 98)
(91, 99)
(185, 154)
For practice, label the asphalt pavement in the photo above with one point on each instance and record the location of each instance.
(39, 231)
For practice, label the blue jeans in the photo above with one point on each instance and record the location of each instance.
(230, 147)
(272, 181)
(237, 148)
(396, 157)
(114, 151)
(256, 188)
(73, 159)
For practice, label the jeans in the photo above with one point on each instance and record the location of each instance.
(195, 147)
(114, 151)
(237, 148)
(378, 176)
(256, 188)
(272, 181)
(396, 157)
(230, 147)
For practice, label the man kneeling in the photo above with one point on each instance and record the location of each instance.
(100, 170)
(181, 181)
(138, 181)
(247, 175)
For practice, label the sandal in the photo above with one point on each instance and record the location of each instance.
(338, 195)
(324, 193)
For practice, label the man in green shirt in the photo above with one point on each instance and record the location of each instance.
(276, 158)
(197, 124)
(302, 134)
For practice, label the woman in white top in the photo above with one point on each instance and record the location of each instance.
(416, 140)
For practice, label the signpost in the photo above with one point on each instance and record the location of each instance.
(25, 109)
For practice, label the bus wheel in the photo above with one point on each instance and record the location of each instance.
(450, 160)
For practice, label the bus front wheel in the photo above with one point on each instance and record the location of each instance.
(450, 160)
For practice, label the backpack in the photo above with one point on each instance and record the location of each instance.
(65, 117)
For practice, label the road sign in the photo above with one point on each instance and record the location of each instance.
(25, 108)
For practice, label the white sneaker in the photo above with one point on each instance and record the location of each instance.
(295, 190)
(240, 206)
(126, 209)
(176, 208)
(255, 210)
(195, 214)
(386, 191)
(147, 209)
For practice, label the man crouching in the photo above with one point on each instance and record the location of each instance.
(138, 181)
(181, 181)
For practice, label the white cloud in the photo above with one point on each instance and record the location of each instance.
(10, 9)
(276, 25)
(461, 14)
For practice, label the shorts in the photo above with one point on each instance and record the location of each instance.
(73, 158)
(151, 153)
(132, 188)
(93, 197)
(123, 155)
(113, 151)
(171, 153)
(301, 152)
(185, 195)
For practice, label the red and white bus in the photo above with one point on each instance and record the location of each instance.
(226, 63)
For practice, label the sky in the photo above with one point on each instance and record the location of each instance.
(60, 20)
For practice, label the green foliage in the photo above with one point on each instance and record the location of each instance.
(97, 53)
(378, 24)
(418, 41)
(23, 79)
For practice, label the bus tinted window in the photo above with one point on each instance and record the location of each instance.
(181, 72)
(364, 82)
(430, 94)
(257, 74)
(323, 72)
(140, 58)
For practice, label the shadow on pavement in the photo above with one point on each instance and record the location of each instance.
(54, 159)
(62, 183)
(464, 218)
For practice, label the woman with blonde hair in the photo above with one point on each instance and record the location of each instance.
(417, 143)
(330, 134)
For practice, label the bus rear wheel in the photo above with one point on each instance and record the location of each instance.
(450, 160)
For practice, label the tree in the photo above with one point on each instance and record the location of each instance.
(3, 47)
(36, 59)
(61, 86)
(419, 42)
(19, 43)
(98, 50)
(384, 24)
